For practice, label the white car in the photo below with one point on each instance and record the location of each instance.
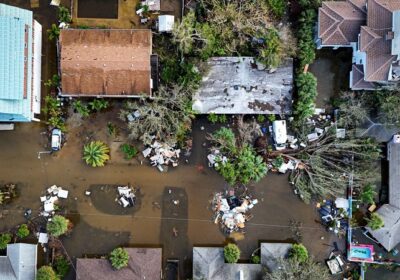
(279, 134)
(56, 138)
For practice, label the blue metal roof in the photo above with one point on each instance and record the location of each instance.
(14, 22)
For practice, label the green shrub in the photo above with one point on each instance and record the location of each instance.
(98, 104)
(261, 118)
(53, 82)
(96, 153)
(299, 252)
(306, 93)
(368, 194)
(53, 32)
(213, 118)
(231, 253)
(278, 7)
(57, 226)
(129, 151)
(271, 53)
(81, 108)
(46, 273)
(271, 118)
(5, 238)
(112, 130)
(64, 15)
(23, 231)
(119, 258)
(278, 161)
(255, 259)
(61, 266)
(375, 221)
(222, 118)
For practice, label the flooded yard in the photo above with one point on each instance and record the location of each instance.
(99, 222)
(332, 70)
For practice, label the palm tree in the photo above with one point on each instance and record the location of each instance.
(54, 32)
(119, 258)
(96, 153)
(58, 225)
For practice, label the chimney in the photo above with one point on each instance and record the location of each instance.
(389, 35)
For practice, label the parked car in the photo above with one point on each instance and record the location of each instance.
(172, 269)
(56, 139)
(279, 134)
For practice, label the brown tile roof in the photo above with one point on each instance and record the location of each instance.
(144, 263)
(358, 81)
(373, 39)
(111, 62)
(368, 38)
(339, 22)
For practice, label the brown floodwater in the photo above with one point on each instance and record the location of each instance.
(98, 229)
(332, 70)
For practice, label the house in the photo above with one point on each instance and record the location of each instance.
(389, 234)
(209, 263)
(144, 263)
(240, 85)
(20, 65)
(20, 262)
(372, 29)
(105, 62)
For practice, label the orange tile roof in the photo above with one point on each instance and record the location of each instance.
(105, 62)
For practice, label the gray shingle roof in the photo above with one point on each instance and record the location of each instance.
(389, 235)
(239, 85)
(209, 262)
(394, 170)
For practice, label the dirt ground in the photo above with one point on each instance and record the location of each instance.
(99, 14)
(97, 231)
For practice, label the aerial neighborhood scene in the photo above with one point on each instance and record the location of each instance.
(199, 139)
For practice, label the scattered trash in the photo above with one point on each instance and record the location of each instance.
(126, 196)
(49, 200)
(336, 263)
(231, 210)
(334, 215)
(43, 238)
(162, 155)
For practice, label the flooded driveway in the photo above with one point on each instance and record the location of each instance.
(177, 228)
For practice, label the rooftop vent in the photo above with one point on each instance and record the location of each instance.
(389, 35)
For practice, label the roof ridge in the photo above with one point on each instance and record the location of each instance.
(384, 64)
(333, 25)
(372, 41)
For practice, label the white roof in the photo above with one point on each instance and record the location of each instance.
(165, 23)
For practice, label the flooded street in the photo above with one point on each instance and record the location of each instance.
(100, 224)
(98, 229)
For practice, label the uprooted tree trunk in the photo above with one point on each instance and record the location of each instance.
(325, 166)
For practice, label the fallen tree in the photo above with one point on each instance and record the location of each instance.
(324, 167)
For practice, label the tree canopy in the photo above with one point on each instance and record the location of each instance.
(231, 253)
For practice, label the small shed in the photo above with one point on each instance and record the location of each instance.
(165, 23)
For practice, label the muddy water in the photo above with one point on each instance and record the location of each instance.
(97, 231)
(332, 70)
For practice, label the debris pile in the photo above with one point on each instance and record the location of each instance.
(334, 215)
(162, 155)
(53, 194)
(215, 158)
(126, 196)
(49, 200)
(231, 211)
